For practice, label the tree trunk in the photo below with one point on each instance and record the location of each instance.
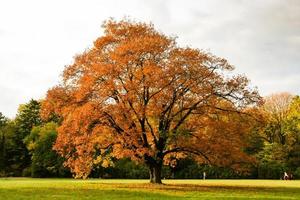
(155, 173)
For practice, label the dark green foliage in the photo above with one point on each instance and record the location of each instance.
(186, 169)
(255, 143)
(8, 146)
(28, 116)
(3, 145)
(272, 161)
(45, 161)
(297, 173)
(26, 145)
(189, 169)
(124, 168)
(270, 170)
(293, 158)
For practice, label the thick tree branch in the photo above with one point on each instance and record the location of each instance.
(188, 150)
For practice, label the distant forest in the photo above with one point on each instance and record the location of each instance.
(273, 142)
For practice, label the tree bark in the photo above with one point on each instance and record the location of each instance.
(155, 173)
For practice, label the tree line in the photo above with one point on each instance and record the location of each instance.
(26, 147)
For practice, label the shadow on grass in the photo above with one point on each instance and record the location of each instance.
(66, 194)
(194, 191)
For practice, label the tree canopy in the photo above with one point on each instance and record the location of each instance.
(137, 94)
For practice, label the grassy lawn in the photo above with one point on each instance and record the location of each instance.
(26, 188)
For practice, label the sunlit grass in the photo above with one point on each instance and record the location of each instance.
(26, 188)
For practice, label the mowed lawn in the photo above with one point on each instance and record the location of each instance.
(26, 188)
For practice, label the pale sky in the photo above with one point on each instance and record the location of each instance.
(261, 38)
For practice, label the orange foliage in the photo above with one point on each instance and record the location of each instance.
(136, 94)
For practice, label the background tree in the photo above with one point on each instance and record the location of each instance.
(293, 121)
(45, 161)
(8, 165)
(27, 117)
(3, 124)
(275, 136)
(136, 94)
(293, 132)
(276, 107)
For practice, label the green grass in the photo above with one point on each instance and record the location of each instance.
(26, 188)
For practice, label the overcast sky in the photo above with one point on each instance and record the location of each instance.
(261, 38)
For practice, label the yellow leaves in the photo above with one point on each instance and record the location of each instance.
(104, 161)
(107, 163)
(31, 146)
(277, 105)
(172, 158)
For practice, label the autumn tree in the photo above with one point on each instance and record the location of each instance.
(275, 135)
(293, 121)
(292, 129)
(276, 108)
(137, 94)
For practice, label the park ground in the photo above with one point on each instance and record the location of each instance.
(27, 188)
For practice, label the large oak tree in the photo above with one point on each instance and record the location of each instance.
(137, 94)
